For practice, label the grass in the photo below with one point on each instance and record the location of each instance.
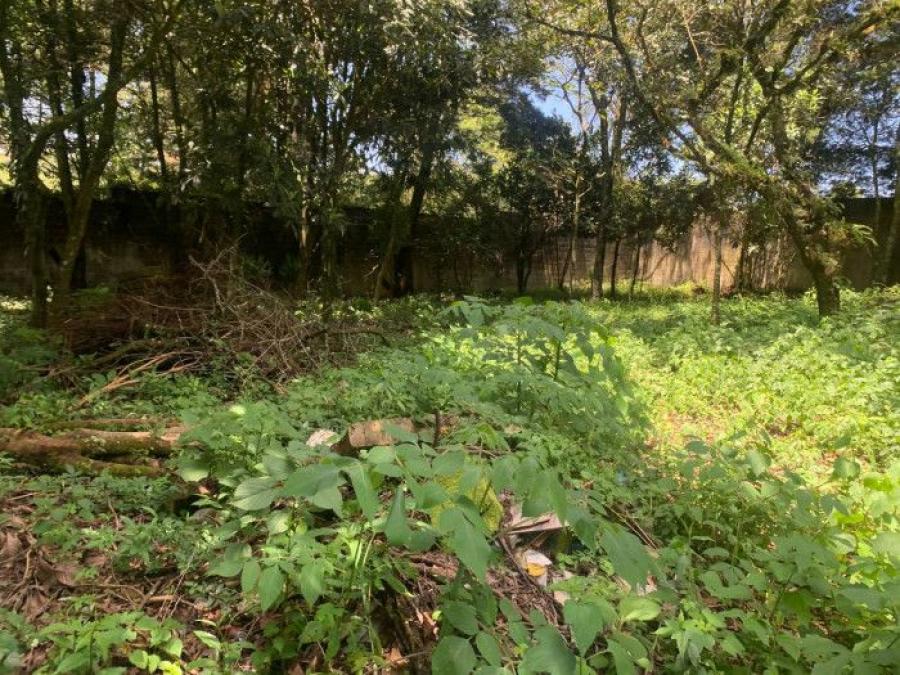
(732, 493)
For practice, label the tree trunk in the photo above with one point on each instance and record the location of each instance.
(884, 274)
(742, 281)
(599, 263)
(157, 130)
(612, 272)
(407, 262)
(635, 270)
(828, 297)
(32, 216)
(573, 237)
(386, 281)
(715, 311)
(177, 119)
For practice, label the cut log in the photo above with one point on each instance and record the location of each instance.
(365, 435)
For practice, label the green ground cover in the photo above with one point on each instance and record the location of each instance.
(730, 495)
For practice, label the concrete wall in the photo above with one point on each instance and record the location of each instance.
(132, 237)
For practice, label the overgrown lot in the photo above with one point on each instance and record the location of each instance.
(553, 487)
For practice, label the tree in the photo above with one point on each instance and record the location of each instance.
(772, 60)
(29, 32)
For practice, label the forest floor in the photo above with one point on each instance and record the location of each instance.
(553, 487)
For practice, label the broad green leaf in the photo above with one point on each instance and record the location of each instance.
(845, 469)
(255, 494)
(759, 463)
(208, 639)
(328, 498)
(461, 616)
(396, 529)
(278, 522)
(453, 656)
(381, 454)
(585, 619)
(887, 543)
(628, 556)
(466, 542)
(312, 582)
(489, 649)
(250, 575)
(549, 654)
(277, 466)
(365, 492)
(621, 658)
(310, 479)
(138, 658)
(271, 583)
(173, 647)
(636, 608)
(193, 469)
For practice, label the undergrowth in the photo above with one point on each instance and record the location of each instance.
(730, 498)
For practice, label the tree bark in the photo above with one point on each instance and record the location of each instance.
(91, 450)
(884, 274)
(636, 268)
(157, 129)
(386, 282)
(612, 272)
(715, 310)
(599, 263)
(177, 119)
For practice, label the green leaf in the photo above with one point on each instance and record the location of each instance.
(396, 529)
(173, 647)
(628, 556)
(461, 616)
(759, 463)
(250, 575)
(636, 608)
(453, 656)
(381, 454)
(193, 469)
(312, 582)
(278, 522)
(888, 544)
(845, 469)
(585, 619)
(621, 658)
(310, 479)
(277, 465)
(489, 648)
(254, 494)
(465, 541)
(271, 583)
(138, 658)
(362, 487)
(329, 498)
(731, 645)
(549, 654)
(208, 639)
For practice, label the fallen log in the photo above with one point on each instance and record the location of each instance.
(91, 450)
(86, 447)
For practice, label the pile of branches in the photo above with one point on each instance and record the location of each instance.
(212, 317)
